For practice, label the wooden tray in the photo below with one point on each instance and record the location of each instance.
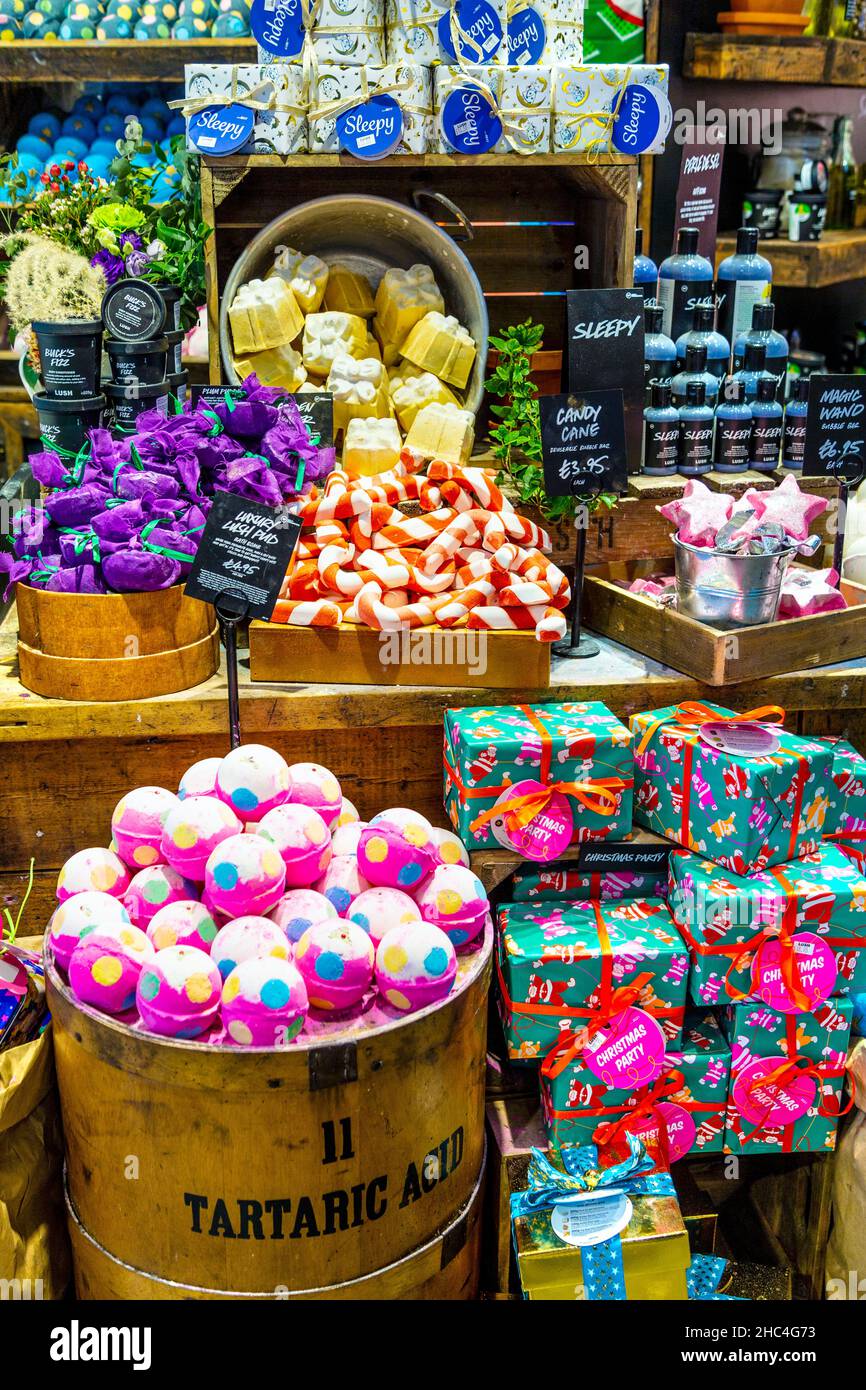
(712, 656)
(432, 656)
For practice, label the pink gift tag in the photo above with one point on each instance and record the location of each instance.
(816, 968)
(546, 835)
(628, 1051)
(678, 1123)
(771, 1105)
(748, 740)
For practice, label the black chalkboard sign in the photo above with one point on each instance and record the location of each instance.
(583, 443)
(317, 413)
(215, 395)
(621, 856)
(244, 553)
(606, 350)
(836, 427)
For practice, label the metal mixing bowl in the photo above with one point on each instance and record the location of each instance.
(369, 235)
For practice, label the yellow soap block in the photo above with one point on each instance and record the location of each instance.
(264, 314)
(442, 346)
(347, 292)
(390, 351)
(442, 432)
(403, 298)
(372, 349)
(280, 366)
(331, 335)
(359, 388)
(409, 394)
(306, 276)
(370, 447)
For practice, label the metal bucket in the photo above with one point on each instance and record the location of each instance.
(370, 235)
(728, 591)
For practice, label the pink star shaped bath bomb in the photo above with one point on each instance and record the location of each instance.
(807, 591)
(699, 513)
(787, 505)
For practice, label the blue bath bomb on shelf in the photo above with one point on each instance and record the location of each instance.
(36, 25)
(203, 9)
(113, 26)
(89, 104)
(34, 144)
(52, 9)
(176, 126)
(69, 147)
(151, 27)
(154, 106)
(78, 29)
(45, 124)
(111, 126)
(82, 127)
(99, 165)
(10, 28)
(151, 128)
(163, 9)
(190, 27)
(103, 148)
(231, 24)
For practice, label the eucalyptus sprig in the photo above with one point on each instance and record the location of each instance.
(516, 440)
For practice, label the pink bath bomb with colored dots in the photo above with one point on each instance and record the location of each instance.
(105, 967)
(415, 966)
(341, 882)
(346, 838)
(247, 938)
(302, 839)
(154, 888)
(455, 900)
(178, 993)
(264, 1003)
(192, 831)
(93, 870)
(299, 909)
(253, 780)
(450, 849)
(200, 779)
(182, 924)
(336, 961)
(245, 876)
(349, 815)
(379, 909)
(397, 850)
(137, 822)
(78, 916)
(316, 786)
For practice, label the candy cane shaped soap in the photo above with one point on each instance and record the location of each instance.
(137, 822)
(253, 780)
(264, 1002)
(192, 831)
(178, 993)
(336, 961)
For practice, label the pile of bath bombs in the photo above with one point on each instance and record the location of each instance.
(254, 904)
(113, 20)
(394, 360)
(88, 134)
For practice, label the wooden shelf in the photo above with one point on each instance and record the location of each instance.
(240, 163)
(740, 58)
(836, 258)
(95, 60)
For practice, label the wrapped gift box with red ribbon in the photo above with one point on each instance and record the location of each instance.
(565, 968)
(535, 778)
(564, 881)
(849, 775)
(789, 935)
(787, 1077)
(736, 788)
(679, 1101)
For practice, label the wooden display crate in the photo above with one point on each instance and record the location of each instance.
(97, 60)
(835, 259)
(742, 58)
(418, 657)
(708, 654)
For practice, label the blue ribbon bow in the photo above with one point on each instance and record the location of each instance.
(703, 1277)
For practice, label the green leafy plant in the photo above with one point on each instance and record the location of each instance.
(516, 439)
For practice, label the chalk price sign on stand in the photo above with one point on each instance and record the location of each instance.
(836, 427)
(244, 552)
(583, 443)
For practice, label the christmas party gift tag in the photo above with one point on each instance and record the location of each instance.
(574, 762)
(736, 788)
(678, 1098)
(571, 882)
(571, 968)
(790, 936)
(787, 1076)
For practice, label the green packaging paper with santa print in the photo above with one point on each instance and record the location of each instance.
(686, 1099)
(613, 31)
(535, 778)
(787, 1077)
(735, 927)
(560, 966)
(738, 789)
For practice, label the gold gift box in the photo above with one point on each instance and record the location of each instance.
(757, 1283)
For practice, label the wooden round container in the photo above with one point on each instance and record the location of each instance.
(114, 646)
(343, 1161)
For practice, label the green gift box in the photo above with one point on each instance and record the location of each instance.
(613, 31)
(687, 1102)
(725, 919)
(564, 881)
(849, 775)
(787, 1076)
(574, 759)
(558, 963)
(744, 809)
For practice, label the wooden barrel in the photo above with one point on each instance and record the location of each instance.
(341, 1161)
(114, 646)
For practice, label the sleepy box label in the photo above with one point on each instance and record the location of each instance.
(278, 26)
(371, 130)
(469, 122)
(481, 32)
(221, 129)
(526, 37)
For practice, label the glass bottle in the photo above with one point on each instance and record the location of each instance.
(842, 186)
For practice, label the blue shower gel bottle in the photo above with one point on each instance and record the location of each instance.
(753, 371)
(733, 429)
(796, 418)
(660, 355)
(743, 279)
(661, 433)
(695, 369)
(767, 417)
(696, 432)
(774, 344)
(646, 272)
(685, 280)
(703, 334)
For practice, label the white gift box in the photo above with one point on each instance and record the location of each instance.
(557, 25)
(523, 97)
(279, 129)
(344, 31)
(410, 85)
(413, 32)
(585, 97)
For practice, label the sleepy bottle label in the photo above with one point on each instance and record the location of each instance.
(679, 299)
(661, 445)
(733, 442)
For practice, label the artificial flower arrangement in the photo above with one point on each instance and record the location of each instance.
(126, 515)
